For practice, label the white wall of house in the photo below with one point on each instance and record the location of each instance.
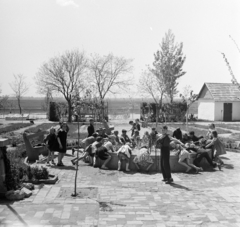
(236, 111)
(218, 111)
(206, 109)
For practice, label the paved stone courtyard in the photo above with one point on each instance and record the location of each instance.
(211, 198)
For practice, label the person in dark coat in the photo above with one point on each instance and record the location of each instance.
(194, 138)
(62, 141)
(177, 134)
(164, 143)
(51, 141)
(90, 128)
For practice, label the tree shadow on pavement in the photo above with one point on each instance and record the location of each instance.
(174, 185)
(23, 223)
(140, 172)
(228, 166)
(225, 158)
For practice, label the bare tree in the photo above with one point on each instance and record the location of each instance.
(4, 103)
(153, 86)
(19, 87)
(110, 73)
(64, 74)
(189, 98)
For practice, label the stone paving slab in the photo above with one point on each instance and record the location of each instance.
(211, 198)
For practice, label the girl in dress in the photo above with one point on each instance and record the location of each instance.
(211, 128)
(218, 149)
(209, 137)
(51, 140)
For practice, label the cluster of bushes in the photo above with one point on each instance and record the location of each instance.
(17, 171)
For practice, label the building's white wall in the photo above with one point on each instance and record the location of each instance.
(236, 111)
(218, 111)
(206, 109)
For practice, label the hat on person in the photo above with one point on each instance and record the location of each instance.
(124, 130)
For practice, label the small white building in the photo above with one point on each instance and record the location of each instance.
(219, 102)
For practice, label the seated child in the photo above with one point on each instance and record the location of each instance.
(124, 153)
(218, 149)
(124, 137)
(136, 141)
(103, 151)
(118, 142)
(84, 144)
(145, 140)
(186, 138)
(185, 157)
(153, 137)
(194, 138)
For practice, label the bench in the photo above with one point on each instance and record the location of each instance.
(33, 152)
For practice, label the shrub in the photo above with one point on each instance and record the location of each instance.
(53, 115)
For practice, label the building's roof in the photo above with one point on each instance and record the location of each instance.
(223, 91)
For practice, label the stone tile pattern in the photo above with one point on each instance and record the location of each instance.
(211, 198)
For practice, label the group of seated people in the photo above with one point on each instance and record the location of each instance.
(191, 151)
(196, 148)
(100, 144)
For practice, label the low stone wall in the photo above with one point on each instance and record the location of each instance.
(175, 166)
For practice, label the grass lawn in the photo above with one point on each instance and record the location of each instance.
(200, 130)
(12, 127)
(72, 134)
(228, 126)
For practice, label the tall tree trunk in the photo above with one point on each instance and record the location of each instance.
(157, 115)
(19, 105)
(69, 111)
(102, 109)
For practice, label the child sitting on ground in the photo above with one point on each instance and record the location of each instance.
(218, 149)
(124, 153)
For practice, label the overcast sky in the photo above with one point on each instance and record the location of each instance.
(31, 32)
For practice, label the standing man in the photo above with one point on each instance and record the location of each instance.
(90, 128)
(164, 143)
